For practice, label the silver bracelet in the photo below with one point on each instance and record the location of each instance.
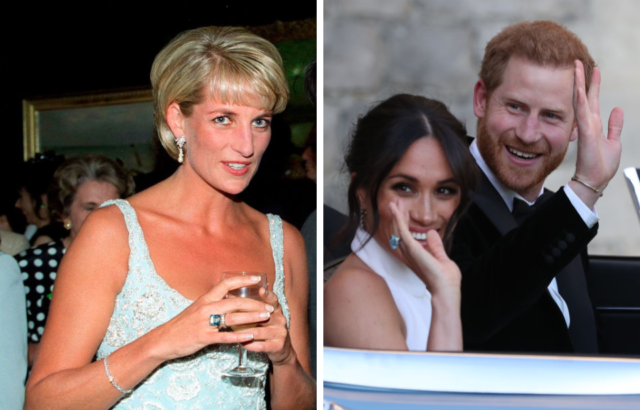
(112, 380)
(596, 190)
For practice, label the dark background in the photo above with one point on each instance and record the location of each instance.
(57, 53)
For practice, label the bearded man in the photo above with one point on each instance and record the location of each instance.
(522, 249)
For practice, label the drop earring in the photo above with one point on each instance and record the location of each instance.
(180, 141)
(363, 213)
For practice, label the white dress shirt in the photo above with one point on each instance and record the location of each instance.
(589, 217)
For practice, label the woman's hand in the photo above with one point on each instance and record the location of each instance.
(272, 336)
(433, 266)
(442, 277)
(190, 331)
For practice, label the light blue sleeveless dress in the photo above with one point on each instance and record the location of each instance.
(147, 301)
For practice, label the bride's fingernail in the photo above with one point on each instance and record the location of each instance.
(265, 315)
(269, 308)
(255, 278)
(247, 336)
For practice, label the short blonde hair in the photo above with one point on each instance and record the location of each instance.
(236, 66)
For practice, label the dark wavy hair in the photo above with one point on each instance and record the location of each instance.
(383, 135)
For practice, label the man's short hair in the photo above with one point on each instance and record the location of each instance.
(542, 42)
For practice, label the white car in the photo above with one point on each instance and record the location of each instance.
(376, 380)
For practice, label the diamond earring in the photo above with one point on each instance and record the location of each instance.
(180, 141)
(363, 213)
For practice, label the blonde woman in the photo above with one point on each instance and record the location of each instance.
(142, 289)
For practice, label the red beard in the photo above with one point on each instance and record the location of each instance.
(516, 178)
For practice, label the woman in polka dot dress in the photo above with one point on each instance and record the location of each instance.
(39, 266)
(79, 186)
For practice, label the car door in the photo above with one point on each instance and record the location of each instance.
(614, 286)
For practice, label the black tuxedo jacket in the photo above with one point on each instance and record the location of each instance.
(507, 268)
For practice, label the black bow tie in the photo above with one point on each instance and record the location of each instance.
(521, 209)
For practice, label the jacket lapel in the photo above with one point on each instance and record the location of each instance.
(490, 202)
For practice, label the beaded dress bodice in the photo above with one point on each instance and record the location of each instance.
(147, 301)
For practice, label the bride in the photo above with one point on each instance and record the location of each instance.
(411, 178)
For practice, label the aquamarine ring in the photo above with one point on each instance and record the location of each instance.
(394, 241)
(217, 320)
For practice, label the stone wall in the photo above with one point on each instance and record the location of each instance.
(376, 48)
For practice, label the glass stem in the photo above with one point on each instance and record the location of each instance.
(242, 356)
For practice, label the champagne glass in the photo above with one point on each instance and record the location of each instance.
(252, 292)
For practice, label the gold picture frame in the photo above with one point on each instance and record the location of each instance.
(96, 122)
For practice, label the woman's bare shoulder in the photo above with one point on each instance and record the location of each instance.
(106, 223)
(359, 310)
(255, 217)
(353, 272)
(355, 282)
(294, 249)
(292, 238)
(149, 198)
(295, 259)
(101, 245)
